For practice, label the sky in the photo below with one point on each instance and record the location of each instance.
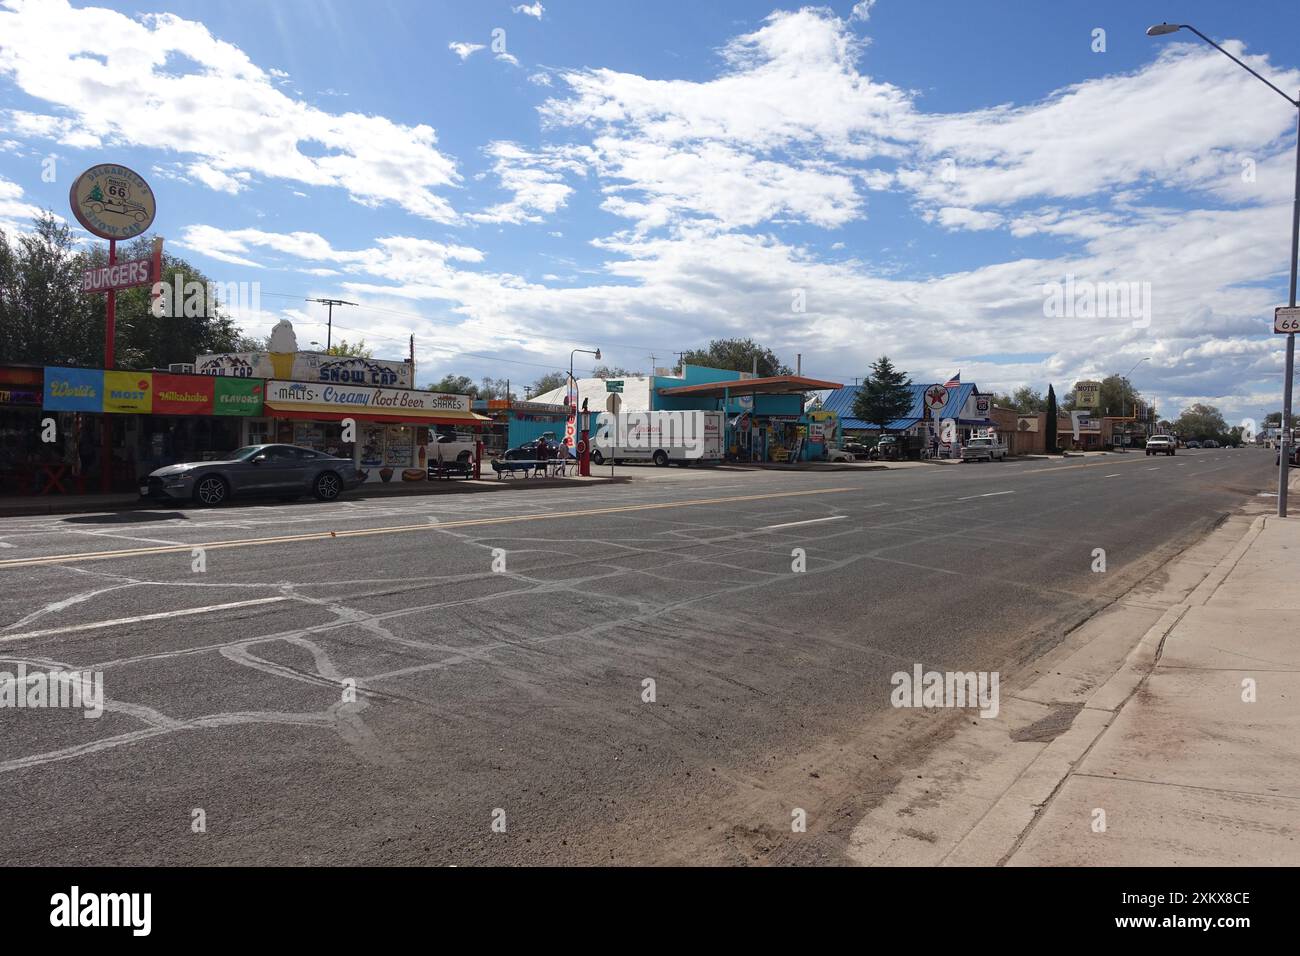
(934, 180)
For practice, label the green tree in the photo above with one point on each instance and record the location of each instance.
(454, 385)
(44, 317)
(604, 371)
(1118, 396)
(884, 396)
(1028, 400)
(346, 349)
(1200, 421)
(737, 355)
(1273, 420)
(1049, 438)
(549, 382)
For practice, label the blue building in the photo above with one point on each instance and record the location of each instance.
(969, 409)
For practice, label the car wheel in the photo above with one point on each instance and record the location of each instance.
(327, 486)
(597, 458)
(660, 458)
(463, 458)
(211, 491)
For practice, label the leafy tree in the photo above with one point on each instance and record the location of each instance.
(1049, 438)
(1118, 396)
(1004, 400)
(604, 371)
(1030, 401)
(345, 349)
(884, 396)
(454, 385)
(737, 355)
(548, 382)
(1273, 420)
(44, 318)
(1200, 421)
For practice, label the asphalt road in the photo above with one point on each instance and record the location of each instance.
(514, 693)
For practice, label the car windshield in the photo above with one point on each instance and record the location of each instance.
(241, 454)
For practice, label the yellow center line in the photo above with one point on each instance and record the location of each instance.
(396, 529)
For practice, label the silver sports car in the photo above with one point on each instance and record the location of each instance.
(286, 471)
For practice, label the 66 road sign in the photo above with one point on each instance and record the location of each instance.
(1286, 319)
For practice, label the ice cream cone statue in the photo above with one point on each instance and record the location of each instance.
(283, 346)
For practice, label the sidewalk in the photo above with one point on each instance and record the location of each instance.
(1124, 755)
(1189, 772)
(29, 505)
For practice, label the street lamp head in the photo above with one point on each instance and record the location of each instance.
(597, 355)
(1161, 29)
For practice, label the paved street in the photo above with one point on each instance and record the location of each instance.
(520, 688)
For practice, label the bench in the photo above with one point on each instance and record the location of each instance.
(451, 469)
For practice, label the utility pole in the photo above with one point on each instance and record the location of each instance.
(329, 327)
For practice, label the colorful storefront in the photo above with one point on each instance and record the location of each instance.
(389, 427)
(766, 420)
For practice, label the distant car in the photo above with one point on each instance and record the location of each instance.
(1209, 443)
(1161, 445)
(284, 471)
(1193, 444)
(529, 450)
(857, 449)
(839, 454)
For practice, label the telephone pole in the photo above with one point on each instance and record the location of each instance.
(329, 327)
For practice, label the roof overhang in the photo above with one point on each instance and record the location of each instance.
(773, 385)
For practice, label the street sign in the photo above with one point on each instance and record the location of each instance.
(1286, 319)
(112, 202)
(612, 386)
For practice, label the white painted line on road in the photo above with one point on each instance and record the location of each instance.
(1153, 468)
(791, 524)
(991, 494)
(1116, 475)
(95, 625)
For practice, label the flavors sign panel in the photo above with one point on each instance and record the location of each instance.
(237, 396)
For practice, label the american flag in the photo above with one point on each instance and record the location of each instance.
(954, 381)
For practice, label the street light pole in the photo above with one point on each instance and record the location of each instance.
(1163, 29)
(571, 429)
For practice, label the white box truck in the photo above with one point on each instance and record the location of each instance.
(682, 438)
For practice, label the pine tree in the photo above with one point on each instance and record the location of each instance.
(1050, 429)
(95, 194)
(884, 396)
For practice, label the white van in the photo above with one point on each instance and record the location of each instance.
(683, 438)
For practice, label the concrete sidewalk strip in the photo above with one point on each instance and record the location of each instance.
(1160, 740)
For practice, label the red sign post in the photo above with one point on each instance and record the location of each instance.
(114, 202)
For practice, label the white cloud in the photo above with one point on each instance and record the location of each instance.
(535, 178)
(204, 98)
(464, 50)
(531, 10)
(862, 10)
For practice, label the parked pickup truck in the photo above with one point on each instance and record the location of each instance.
(984, 449)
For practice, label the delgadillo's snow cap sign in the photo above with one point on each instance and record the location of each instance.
(112, 202)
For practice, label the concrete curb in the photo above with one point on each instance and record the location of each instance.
(998, 785)
(1111, 697)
